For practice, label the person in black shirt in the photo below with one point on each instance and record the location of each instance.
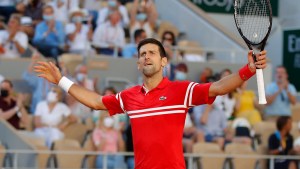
(281, 142)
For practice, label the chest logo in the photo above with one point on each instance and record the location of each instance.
(162, 98)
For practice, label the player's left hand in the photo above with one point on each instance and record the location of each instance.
(261, 60)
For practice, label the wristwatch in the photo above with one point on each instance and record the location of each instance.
(17, 109)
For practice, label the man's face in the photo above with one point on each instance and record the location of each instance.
(6, 86)
(281, 74)
(288, 126)
(114, 18)
(13, 24)
(48, 11)
(150, 62)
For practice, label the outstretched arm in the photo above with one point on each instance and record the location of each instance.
(231, 82)
(50, 72)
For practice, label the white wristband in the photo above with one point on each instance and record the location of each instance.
(65, 83)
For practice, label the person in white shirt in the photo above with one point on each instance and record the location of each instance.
(113, 5)
(143, 15)
(52, 117)
(62, 8)
(79, 35)
(13, 42)
(109, 36)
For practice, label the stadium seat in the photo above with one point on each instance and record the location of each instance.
(296, 112)
(68, 160)
(240, 163)
(295, 132)
(2, 155)
(89, 124)
(209, 162)
(39, 145)
(190, 47)
(71, 61)
(76, 131)
(264, 130)
(89, 146)
(262, 150)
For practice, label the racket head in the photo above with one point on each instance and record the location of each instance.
(253, 19)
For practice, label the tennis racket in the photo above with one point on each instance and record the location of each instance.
(253, 19)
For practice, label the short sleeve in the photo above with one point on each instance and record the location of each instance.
(199, 94)
(114, 104)
(270, 89)
(39, 109)
(22, 39)
(66, 110)
(292, 90)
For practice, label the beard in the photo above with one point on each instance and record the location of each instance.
(149, 70)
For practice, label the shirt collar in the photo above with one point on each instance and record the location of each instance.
(165, 81)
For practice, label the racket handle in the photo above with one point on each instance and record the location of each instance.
(260, 87)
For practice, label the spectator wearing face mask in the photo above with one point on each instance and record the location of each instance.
(12, 109)
(109, 37)
(181, 72)
(113, 5)
(143, 16)
(13, 42)
(49, 36)
(52, 117)
(108, 140)
(62, 8)
(79, 35)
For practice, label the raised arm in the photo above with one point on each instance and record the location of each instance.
(231, 82)
(50, 72)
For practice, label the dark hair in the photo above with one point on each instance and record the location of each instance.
(162, 51)
(138, 33)
(182, 66)
(226, 70)
(281, 122)
(8, 81)
(110, 88)
(172, 35)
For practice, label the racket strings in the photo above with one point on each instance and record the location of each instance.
(252, 18)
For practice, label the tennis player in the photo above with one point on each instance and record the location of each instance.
(158, 108)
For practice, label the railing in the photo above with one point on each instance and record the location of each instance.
(191, 157)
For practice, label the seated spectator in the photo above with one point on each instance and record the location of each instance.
(52, 117)
(190, 135)
(113, 5)
(281, 142)
(27, 27)
(40, 86)
(34, 10)
(280, 95)
(79, 35)
(49, 36)
(109, 36)
(246, 104)
(108, 140)
(205, 75)
(181, 72)
(130, 50)
(13, 41)
(62, 8)
(169, 37)
(12, 109)
(143, 15)
(81, 111)
(212, 121)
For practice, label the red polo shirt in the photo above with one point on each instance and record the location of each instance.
(157, 118)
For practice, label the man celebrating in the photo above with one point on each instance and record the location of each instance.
(157, 110)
